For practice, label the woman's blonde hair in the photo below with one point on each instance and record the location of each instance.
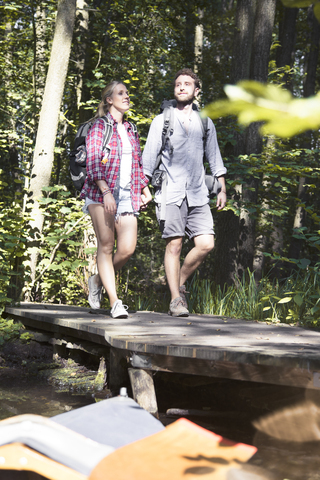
(104, 106)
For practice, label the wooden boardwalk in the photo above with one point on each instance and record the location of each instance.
(198, 345)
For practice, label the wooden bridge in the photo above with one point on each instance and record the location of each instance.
(203, 345)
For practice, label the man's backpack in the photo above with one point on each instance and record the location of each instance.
(78, 156)
(158, 178)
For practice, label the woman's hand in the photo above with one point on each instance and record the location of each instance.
(110, 205)
(146, 197)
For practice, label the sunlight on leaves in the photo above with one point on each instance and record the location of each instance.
(284, 115)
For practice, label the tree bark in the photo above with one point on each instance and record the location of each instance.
(49, 114)
(263, 27)
(243, 37)
(39, 73)
(198, 42)
(82, 22)
(227, 223)
(287, 40)
(308, 90)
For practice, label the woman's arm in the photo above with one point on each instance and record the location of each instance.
(109, 203)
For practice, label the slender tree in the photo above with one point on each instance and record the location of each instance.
(49, 114)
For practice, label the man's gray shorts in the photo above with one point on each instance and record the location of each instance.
(184, 219)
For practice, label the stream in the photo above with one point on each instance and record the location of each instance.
(225, 407)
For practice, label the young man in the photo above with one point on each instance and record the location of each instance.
(186, 195)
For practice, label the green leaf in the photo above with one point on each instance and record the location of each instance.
(285, 300)
(304, 263)
(298, 300)
(65, 210)
(283, 115)
(316, 11)
(296, 3)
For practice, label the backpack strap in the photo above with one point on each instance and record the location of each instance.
(133, 128)
(167, 130)
(107, 133)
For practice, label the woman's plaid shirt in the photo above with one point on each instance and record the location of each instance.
(110, 171)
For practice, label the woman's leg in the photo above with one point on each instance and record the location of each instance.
(126, 228)
(104, 226)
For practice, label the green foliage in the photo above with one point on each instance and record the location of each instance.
(14, 233)
(284, 116)
(297, 299)
(12, 330)
(144, 43)
(60, 270)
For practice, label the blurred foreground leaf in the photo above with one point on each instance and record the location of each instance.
(284, 115)
(303, 4)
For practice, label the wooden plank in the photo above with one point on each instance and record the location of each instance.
(143, 390)
(200, 344)
(235, 371)
(118, 369)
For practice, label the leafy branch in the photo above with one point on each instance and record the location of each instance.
(55, 250)
(252, 101)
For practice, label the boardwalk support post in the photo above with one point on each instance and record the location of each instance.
(143, 389)
(118, 370)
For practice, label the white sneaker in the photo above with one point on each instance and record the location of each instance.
(118, 310)
(95, 294)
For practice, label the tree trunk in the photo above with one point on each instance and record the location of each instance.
(39, 54)
(82, 26)
(49, 114)
(263, 26)
(198, 42)
(227, 223)
(242, 42)
(287, 40)
(308, 90)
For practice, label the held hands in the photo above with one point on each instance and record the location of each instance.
(146, 197)
(221, 200)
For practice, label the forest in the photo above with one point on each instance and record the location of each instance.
(55, 59)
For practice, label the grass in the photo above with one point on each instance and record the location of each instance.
(293, 300)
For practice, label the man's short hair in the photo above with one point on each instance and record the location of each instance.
(190, 73)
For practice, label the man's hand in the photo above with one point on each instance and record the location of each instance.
(221, 199)
(146, 197)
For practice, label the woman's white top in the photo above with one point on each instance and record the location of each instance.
(126, 159)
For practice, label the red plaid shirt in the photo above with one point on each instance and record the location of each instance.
(110, 171)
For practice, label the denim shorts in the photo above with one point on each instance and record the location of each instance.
(183, 219)
(124, 204)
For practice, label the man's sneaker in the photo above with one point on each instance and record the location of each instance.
(95, 293)
(118, 310)
(177, 308)
(183, 291)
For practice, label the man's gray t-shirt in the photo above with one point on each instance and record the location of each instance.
(185, 170)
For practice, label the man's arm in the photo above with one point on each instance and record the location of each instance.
(222, 195)
(215, 161)
(213, 154)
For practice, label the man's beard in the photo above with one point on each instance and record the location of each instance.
(186, 101)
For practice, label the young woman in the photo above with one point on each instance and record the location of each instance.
(114, 191)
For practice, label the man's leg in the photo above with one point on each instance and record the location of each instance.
(177, 306)
(203, 244)
(172, 265)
